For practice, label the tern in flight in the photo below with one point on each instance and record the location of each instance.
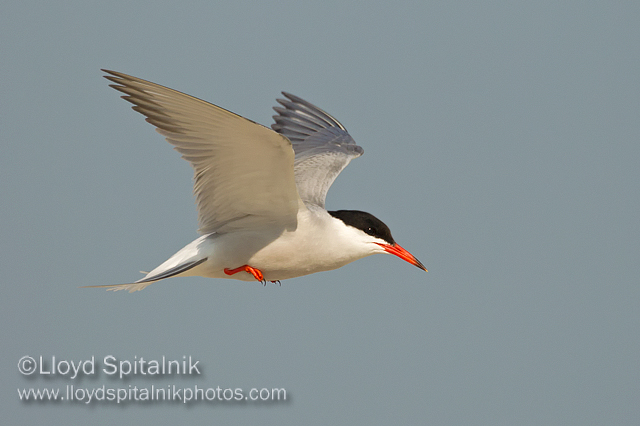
(260, 192)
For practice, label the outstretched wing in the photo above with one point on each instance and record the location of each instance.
(243, 171)
(322, 145)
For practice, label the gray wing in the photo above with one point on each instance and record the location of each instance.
(243, 171)
(322, 145)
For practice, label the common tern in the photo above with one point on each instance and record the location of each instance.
(260, 192)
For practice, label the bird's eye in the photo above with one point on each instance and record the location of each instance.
(372, 231)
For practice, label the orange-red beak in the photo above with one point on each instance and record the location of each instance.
(395, 249)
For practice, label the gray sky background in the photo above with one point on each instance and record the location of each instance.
(501, 147)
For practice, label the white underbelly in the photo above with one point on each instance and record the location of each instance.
(287, 254)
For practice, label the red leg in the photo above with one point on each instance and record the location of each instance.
(257, 274)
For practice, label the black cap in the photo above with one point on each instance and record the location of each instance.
(366, 222)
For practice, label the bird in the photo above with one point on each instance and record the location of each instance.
(260, 192)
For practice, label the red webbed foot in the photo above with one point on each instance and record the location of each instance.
(257, 274)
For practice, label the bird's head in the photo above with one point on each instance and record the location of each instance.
(375, 234)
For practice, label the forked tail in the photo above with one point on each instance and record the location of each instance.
(142, 283)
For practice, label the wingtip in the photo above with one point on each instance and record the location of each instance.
(112, 73)
(116, 76)
(293, 98)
